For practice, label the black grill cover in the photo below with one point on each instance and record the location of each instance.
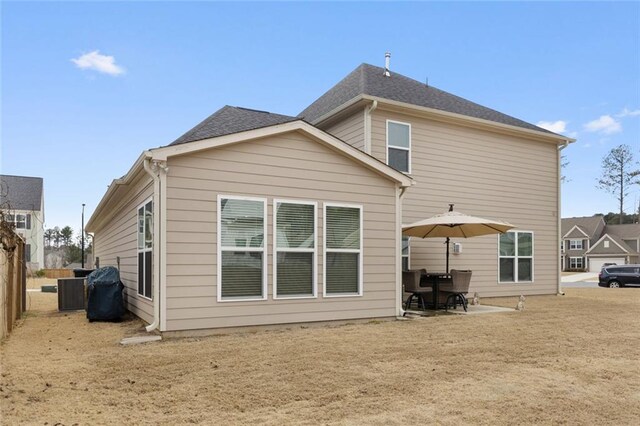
(104, 295)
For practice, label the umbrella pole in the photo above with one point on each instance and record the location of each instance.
(447, 265)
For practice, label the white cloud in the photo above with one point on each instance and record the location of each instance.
(97, 62)
(606, 125)
(553, 126)
(573, 135)
(629, 113)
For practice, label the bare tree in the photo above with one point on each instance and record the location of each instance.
(618, 172)
(564, 163)
(48, 236)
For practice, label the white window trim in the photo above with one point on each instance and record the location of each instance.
(576, 258)
(573, 246)
(263, 250)
(408, 255)
(144, 250)
(398, 147)
(516, 257)
(324, 251)
(292, 250)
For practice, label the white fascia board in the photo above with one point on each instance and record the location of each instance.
(454, 117)
(610, 239)
(370, 162)
(571, 230)
(125, 180)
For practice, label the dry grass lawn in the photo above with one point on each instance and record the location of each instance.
(564, 360)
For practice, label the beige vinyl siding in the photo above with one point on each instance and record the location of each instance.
(118, 238)
(350, 130)
(291, 167)
(484, 174)
(612, 249)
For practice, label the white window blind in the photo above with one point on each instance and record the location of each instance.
(242, 257)
(295, 248)
(343, 250)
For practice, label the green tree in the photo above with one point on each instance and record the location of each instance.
(56, 236)
(618, 172)
(66, 235)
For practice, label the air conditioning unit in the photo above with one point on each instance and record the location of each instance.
(457, 248)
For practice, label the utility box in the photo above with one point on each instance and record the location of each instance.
(70, 294)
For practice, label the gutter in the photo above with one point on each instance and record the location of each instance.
(560, 148)
(157, 170)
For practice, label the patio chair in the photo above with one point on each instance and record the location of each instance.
(411, 282)
(456, 289)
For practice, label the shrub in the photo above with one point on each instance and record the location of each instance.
(40, 273)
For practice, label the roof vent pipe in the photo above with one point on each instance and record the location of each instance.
(387, 59)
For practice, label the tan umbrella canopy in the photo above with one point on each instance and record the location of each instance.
(454, 225)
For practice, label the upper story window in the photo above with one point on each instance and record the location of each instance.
(399, 146)
(575, 244)
(21, 221)
(516, 257)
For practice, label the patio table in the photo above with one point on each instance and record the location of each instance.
(434, 278)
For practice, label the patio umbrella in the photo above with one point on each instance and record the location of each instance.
(454, 225)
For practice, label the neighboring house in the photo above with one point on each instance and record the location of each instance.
(588, 243)
(255, 218)
(23, 198)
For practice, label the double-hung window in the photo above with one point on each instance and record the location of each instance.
(575, 244)
(575, 263)
(295, 249)
(399, 146)
(516, 256)
(145, 249)
(343, 250)
(405, 253)
(242, 256)
(20, 221)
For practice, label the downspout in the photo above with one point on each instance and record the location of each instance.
(399, 311)
(367, 126)
(560, 148)
(156, 169)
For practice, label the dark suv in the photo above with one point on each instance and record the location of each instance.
(619, 276)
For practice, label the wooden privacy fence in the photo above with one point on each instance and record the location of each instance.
(58, 273)
(13, 280)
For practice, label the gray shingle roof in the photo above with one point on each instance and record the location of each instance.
(21, 192)
(626, 230)
(228, 120)
(370, 80)
(588, 225)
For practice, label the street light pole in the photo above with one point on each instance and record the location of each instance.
(82, 231)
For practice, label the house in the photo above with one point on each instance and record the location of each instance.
(588, 243)
(23, 198)
(254, 218)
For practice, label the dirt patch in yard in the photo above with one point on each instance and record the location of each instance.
(563, 360)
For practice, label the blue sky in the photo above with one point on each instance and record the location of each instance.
(163, 67)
